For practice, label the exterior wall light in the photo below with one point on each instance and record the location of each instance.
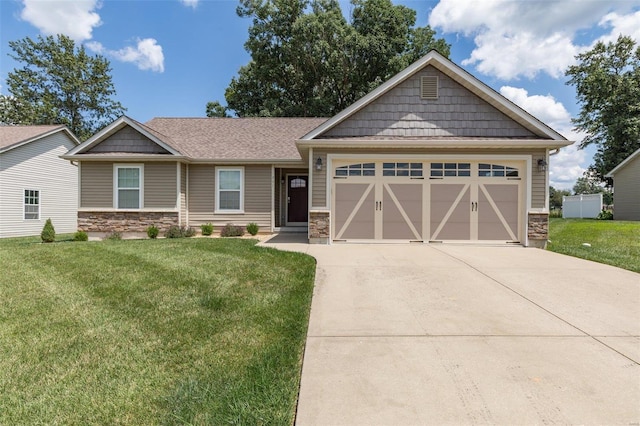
(542, 165)
(319, 163)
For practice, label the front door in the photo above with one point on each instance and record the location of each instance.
(297, 199)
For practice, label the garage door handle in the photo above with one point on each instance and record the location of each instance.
(474, 206)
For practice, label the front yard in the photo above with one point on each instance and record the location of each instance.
(614, 242)
(188, 331)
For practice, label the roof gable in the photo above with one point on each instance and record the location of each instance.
(522, 124)
(12, 137)
(624, 163)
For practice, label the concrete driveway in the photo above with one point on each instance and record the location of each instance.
(463, 334)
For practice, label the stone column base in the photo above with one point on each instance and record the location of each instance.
(538, 229)
(319, 227)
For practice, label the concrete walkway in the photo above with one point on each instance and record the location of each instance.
(463, 334)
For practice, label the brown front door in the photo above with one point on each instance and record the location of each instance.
(297, 199)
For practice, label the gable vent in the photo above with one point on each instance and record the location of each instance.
(429, 87)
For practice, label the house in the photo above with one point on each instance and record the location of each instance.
(433, 154)
(35, 183)
(626, 195)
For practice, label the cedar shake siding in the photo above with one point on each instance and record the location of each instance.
(96, 190)
(456, 112)
(257, 197)
(127, 140)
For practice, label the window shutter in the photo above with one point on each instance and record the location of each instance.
(429, 87)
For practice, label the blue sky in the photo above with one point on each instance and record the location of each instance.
(170, 57)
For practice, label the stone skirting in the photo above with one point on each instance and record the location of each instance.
(125, 222)
(319, 227)
(538, 229)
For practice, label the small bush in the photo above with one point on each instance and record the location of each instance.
(80, 236)
(231, 230)
(605, 215)
(176, 231)
(555, 213)
(152, 232)
(114, 236)
(207, 229)
(253, 228)
(48, 233)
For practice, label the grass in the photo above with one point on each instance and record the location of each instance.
(188, 331)
(614, 242)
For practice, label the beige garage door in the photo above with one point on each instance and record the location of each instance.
(427, 201)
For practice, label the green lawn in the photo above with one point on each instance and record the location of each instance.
(614, 242)
(185, 331)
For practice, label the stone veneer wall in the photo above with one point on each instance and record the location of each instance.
(319, 227)
(538, 229)
(125, 221)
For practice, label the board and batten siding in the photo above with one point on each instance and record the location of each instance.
(257, 197)
(37, 166)
(96, 185)
(538, 179)
(626, 196)
(403, 112)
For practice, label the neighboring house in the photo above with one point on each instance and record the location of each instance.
(433, 154)
(626, 188)
(35, 183)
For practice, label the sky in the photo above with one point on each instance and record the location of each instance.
(170, 57)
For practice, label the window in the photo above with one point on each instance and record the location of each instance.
(229, 189)
(496, 170)
(128, 186)
(31, 204)
(402, 169)
(450, 169)
(363, 169)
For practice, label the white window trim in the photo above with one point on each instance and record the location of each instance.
(118, 166)
(24, 204)
(223, 211)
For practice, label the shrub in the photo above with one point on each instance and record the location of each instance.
(48, 233)
(555, 213)
(152, 232)
(231, 230)
(207, 229)
(605, 215)
(253, 228)
(176, 231)
(80, 236)
(114, 236)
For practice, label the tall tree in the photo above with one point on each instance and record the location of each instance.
(59, 83)
(607, 82)
(555, 197)
(590, 183)
(215, 109)
(308, 60)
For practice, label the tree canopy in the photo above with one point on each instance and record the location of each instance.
(60, 83)
(607, 82)
(308, 60)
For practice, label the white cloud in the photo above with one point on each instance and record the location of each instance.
(523, 38)
(621, 25)
(147, 55)
(569, 164)
(190, 3)
(75, 19)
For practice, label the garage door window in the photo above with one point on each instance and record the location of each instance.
(361, 169)
(402, 169)
(496, 170)
(450, 169)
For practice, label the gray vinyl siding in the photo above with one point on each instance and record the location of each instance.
(183, 194)
(160, 185)
(538, 184)
(37, 166)
(626, 196)
(128, 140)
(257, 197)
(402, 112)
(96, 185)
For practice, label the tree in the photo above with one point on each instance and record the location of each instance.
(60, 83)
(555, 197)
(590, 183)
(215, 109)
(308, 60)
(607, 82)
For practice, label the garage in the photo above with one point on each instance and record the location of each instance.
(428, 200)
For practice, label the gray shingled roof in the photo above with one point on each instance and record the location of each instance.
(234, 138)
(13, 135)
